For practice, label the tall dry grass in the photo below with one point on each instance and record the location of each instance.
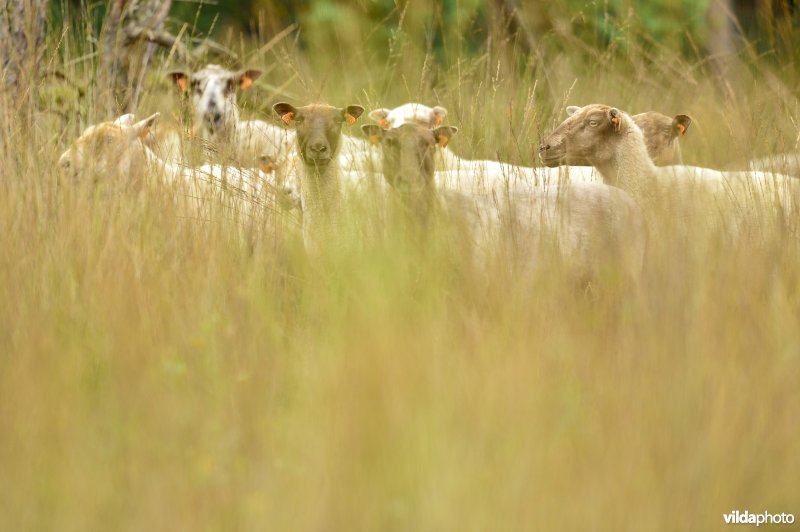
(159, 373)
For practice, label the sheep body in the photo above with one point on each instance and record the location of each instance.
(118, 149)
(615, 145)
(590, 224)
(785, 163)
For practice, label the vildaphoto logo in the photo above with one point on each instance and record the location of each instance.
(746, 518)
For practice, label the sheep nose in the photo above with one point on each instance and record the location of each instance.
(318, 148)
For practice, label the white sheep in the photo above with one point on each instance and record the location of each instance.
(470, 175)
(117, 149)
(318, 133)
(213, 92)
(661, 134)
(486, 176)
(785, 163)
(590, 226)
(608, 139)
(409, 113)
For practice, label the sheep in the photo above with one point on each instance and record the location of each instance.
(318, 133)
(117, 148)
(590, 222)
(216, 117)
(474, 176)
(608, 139)
(415, 113)
(660, 134)
(786, 163)
(213, 91)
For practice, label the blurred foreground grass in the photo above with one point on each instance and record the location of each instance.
(168, 374)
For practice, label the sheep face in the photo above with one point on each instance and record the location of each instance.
(410, 113)
(408, 161)
(661, 134)
(408, 152)
(108, 149)
(319, 129)
(588, 137)
(213, 93)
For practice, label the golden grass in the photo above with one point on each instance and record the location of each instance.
(167, 374)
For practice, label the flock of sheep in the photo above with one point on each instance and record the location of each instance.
(604, 172)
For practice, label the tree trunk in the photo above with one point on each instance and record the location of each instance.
(134, 29)
(129, 42)
(22, 34)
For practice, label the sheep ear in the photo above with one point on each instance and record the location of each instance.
(125, 120)
(681, 123)
(439, 114)
(142, 129)
(266, 163)
(443, 134)
(572, 109)
(381, 116)
(615, 117)
(351, 113)
(246, 78)
(286, 111)
(373, 132)
(180, 79)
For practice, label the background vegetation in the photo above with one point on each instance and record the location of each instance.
(167, 374)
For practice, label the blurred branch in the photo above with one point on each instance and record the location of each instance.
(513, 25)
(275, 40)
(171, 42)
(208, 46)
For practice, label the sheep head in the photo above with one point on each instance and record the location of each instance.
(319, 129)
(409, 113)
(588, 137)
(109, 148)
(213, 93)
(661, 134)
(408, 154)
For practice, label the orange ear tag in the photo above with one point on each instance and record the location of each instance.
(183, 84)
(681, 129)
(245, 83)
(442, 141)
(384, 123)
(288, 118)
(375, 139)
(267, 167)
(350, 119)
(617, 123)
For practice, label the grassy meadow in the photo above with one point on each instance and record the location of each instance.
(162, 373)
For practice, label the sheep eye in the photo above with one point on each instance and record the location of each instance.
(593, 123)
(298, 120)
